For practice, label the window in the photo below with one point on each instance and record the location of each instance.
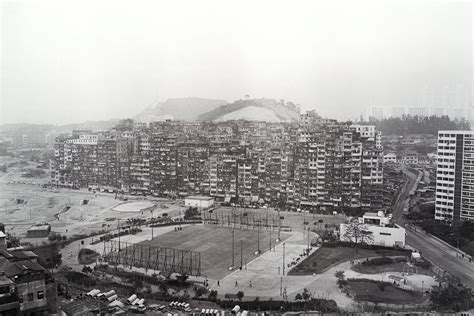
(30, 297)
(40, 295)
(385, 234)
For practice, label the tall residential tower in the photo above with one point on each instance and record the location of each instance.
(455, 176)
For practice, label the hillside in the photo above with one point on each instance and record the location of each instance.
(254, 110)
(187, 109)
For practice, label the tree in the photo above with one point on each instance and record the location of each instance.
(212, 295)
(163, 288)
(182, 278)
(451, 297)
(240, 295)
(298, 297)
(340, 275)
(138, 284)
(306, 294)
(200, 291)
(357, 234)
(12, 241)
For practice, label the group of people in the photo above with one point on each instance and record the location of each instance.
(219, 284)
(237, 284)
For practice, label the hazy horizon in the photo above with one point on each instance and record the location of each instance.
(72, 61)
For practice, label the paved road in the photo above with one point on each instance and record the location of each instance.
(397, 210)
(441, 254)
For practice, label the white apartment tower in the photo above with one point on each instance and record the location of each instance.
(455, 176)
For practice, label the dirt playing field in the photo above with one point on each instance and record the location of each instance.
(215, 246)
(23, 203)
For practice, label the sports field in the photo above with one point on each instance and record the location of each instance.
(215, 245)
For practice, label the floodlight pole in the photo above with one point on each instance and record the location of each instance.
(271, 228)
(308, 237)
(241, 254)
(283, 258)
(279, 224)
(233, 255)
(258, 238)
(118, 228)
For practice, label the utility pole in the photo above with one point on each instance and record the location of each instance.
(271, 228)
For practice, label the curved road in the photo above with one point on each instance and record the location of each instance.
(443, 255)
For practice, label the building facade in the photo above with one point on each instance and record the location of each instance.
(455, 176)
(316, 164)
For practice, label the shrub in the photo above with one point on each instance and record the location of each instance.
(423, 264)
(212, 295)
(378, 261)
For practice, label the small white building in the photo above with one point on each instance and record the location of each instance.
(383, 233)
(372, 218)
(202, 202)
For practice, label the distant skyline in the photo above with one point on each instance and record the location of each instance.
(71, 61)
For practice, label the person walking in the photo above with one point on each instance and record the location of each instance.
(236, 284)
(250, 283)
(218, 284)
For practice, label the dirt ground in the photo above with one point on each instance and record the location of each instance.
(215, 246)
(24, 203)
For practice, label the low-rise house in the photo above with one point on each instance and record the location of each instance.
(38, 231)
(390, 158)
(410, 158)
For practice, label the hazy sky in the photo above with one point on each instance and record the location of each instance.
(70, 61)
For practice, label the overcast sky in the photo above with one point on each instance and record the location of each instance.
(70, 61)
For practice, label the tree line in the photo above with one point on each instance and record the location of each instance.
(408, 124)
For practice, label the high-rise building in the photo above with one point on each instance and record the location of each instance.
(455, 176)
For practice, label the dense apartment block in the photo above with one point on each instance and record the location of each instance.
(455, 176)
(317, 164)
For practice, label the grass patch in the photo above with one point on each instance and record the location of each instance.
(326, 257)
(381, 292)
(395, 266)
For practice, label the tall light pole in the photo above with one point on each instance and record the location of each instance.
(283, 258)
(271, 228)
(281, 285)
(118, 228)
(241, 254)
(258, 238)
(151, 224)
(233, 254)
(308, 239)
(279, 224)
